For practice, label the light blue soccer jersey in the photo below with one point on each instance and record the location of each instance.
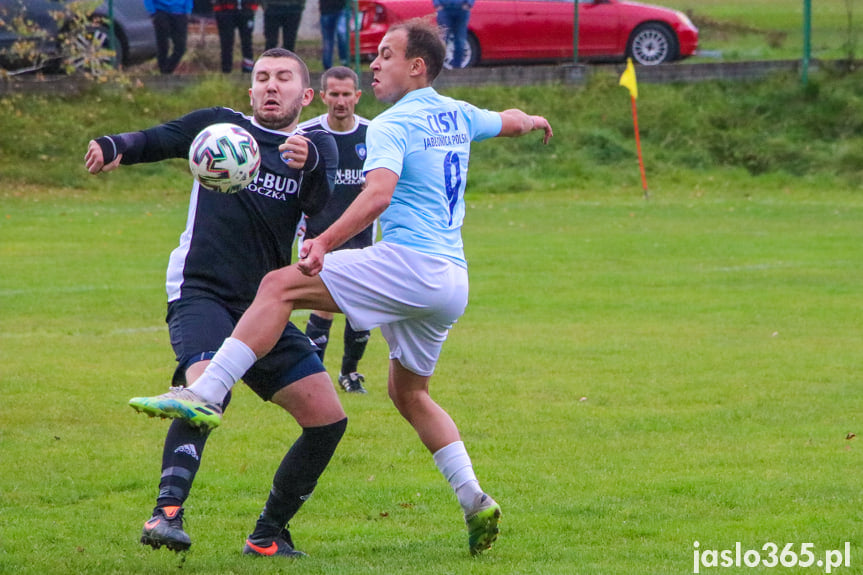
(425, 139)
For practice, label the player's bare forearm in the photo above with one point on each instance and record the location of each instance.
(518, 123)
(368, 205)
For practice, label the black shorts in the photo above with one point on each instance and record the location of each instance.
(198, 325)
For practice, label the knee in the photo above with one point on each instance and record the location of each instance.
(272, 286)
(408, 402)
(330, 433)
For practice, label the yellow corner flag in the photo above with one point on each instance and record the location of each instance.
(627, 79)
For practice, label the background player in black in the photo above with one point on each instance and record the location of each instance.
(340, 92)
(231, 241)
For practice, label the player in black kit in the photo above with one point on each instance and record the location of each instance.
(340, 91)
(230, 242)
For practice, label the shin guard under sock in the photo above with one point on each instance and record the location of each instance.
(318, 330)
(355, 347)
(297, 476)
(181, 458)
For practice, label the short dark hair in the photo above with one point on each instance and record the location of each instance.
(339, 73)
(424, 41)
(285, 53)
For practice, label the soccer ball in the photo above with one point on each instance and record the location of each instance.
(224, 158)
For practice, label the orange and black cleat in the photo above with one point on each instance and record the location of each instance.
(165, 527)
(279, 546)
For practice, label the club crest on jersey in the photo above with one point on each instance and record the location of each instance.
(361, 151)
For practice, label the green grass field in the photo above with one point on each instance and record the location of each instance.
(631, 375)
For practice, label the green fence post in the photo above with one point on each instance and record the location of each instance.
(807, 35)
(358, 20)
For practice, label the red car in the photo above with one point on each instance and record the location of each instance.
(541, 30)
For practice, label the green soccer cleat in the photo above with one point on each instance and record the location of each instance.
(180, 403)
(482, 525)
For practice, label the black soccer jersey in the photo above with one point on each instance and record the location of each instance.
(349, 179)
(232, 240)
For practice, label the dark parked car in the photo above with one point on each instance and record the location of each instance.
(43, 34)
(541, 30)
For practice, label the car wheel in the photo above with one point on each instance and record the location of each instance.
(90, 49)
(471, 52)
(652, 44)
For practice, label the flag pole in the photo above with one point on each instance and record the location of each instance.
(638, 147)
(628, 81)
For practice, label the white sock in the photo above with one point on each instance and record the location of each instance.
(454, 462)
(230, 363)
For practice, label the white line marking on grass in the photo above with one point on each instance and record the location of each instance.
(54, 290)
(150, 329)
(753, 267)
(112, 333)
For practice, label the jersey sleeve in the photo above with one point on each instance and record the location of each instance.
(169, 140)
(319, 178)
(386, 145)
(483, 124)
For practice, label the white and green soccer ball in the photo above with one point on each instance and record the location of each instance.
(225, 158)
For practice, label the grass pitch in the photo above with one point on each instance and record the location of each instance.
(630, 377)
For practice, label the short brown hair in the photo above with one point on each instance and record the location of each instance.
(285, 53)
(340, 73)
(424, 41)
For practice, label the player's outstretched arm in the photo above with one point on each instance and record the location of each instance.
(517, 123)
(94, 160)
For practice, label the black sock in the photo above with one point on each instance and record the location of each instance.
(296, 477)
(355, 347)
(318, 330)
(181, 458)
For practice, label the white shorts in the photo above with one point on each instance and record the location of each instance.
(413, 297)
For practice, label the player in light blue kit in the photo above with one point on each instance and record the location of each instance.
(413, 284)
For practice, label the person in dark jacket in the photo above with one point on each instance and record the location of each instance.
(284, 15)
(171, 24)
(230, 242)
(236, 15)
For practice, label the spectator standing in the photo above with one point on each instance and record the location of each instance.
(334, 31)
(202, 8)
(171, 23)
(284, 15)
(453, 16)
(235, 15)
